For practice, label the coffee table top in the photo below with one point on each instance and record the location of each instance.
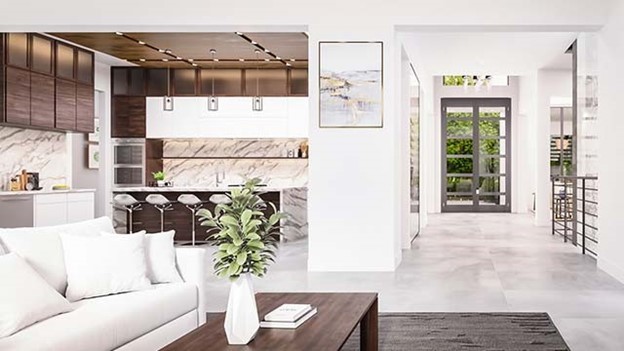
(338, 315)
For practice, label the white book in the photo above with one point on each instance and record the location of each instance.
(288, 312)
(289, 325)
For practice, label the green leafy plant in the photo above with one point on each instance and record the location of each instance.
(246, 238)
(160, 175)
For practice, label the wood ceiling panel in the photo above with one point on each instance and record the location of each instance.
(230, 47)
(112, 44)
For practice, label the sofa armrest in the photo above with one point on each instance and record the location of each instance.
(192, 266)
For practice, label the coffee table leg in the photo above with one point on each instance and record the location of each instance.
(369, 327)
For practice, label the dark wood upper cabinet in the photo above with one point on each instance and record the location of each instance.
(85, 108)
(42, 54)
(128, 117)
(65, 105)
(65, 61)
(42, 100)
(227, 82)
(270, 82)
(84, 66)
(184, 82)
(17, 87)
(298, 83)
(128, 81)
(119, 77)
(157, 82)
(17, 49)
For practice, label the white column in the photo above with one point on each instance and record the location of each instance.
(354, 206)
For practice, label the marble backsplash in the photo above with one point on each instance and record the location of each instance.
(34, 150)
(230, 147)
(203, 172)
(197, 162)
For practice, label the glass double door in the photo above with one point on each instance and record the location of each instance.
(476, 158)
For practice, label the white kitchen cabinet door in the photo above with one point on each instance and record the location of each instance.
(50, 209)
(80, 207)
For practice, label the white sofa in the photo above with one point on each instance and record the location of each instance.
(140, 320)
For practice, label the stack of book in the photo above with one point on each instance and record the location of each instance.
(288, 316)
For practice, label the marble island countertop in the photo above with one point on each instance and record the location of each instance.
(45, 192)
(190, 189)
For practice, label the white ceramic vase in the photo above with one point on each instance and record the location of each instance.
(241, 318)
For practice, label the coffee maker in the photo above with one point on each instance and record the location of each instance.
(32, 181)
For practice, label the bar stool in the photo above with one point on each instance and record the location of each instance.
(193, 203)
(162, 204)
(130, 204)
(219, 199)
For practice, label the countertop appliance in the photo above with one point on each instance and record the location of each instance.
(128, 162)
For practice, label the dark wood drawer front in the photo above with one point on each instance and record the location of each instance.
(65, 105)
(17, 96)
(128, 117)
(42, 100)
(84, 108)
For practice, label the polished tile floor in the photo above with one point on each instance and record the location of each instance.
(475, 262)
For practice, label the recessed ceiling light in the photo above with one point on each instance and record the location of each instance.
(178, 58)
(253, 42)
(288, 64)
(190, 60)
(216, 60)
(194, 65)
(161, 50)
(267, 50)
(257, 51)
(167, 51)
(267, 60)
(165, 60)
(239, 33)
(278, 58)
(119, 33)
(293, 60)
(142, 60)
(141, 42)
(241, 59)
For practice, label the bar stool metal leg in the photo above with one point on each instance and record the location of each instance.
(193, 203)
(162, 204)
(129, 204)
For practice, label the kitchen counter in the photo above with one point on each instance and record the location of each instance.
(180, 189)
(45, 192)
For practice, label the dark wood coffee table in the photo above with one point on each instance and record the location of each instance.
(337, 317)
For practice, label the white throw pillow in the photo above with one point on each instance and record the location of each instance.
(25, 297)
(161, 258)
(104, 265)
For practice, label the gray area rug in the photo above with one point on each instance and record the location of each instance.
(465, 331)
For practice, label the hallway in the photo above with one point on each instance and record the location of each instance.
(478, 263)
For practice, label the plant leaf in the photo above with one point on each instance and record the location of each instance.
(241, 258)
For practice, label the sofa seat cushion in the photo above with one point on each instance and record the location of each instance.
(106, 323)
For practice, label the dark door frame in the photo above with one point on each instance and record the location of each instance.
(476, 103)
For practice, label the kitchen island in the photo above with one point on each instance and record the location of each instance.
(288, 199)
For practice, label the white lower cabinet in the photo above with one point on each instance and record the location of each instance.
(39, 210)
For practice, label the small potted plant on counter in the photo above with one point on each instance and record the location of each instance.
(246, 240)
(159, 177)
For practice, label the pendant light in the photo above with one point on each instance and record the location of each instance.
(257, 100)
(168, 99)
(213, 103)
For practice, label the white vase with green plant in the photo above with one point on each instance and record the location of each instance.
(159, 177)
(246, 239)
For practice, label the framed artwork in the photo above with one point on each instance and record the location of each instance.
(93, 155)
(95, 136)
(351, 84)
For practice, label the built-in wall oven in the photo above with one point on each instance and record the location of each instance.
(128, 162)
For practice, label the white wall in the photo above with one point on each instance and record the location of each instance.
(281, 117)
(103, 195)
(611, 147)
(354, 206)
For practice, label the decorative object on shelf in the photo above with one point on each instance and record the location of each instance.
(159, 177)
(351, 84)
(246, 241)
(257, 100)
(168, 100)
(95, 136)
(94, 156)
(213, 103)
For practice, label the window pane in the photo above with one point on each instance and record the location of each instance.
(459, 165)
(458, 184)
(491, 128)
(459, 147)
(459, 199)
(457, 128)
(491, 112)
(491, 146)
(492, 200)
(492, 184)
(459, 112)
(492, 165)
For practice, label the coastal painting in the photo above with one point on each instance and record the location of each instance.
(351, 89)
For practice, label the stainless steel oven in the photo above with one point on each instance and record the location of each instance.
(128, 162)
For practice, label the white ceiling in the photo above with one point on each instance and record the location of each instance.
(487, 53)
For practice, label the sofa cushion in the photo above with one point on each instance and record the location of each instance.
(25, 298)
(41, 246)
(106, 323)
